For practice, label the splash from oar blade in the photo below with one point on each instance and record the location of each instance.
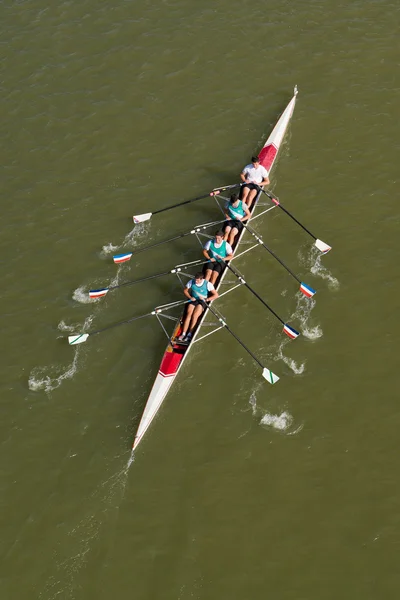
(142, 218)
(269, 376)
(77, 339)
(324, 248)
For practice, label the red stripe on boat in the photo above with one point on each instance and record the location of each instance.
(267, 156)
(170, 363)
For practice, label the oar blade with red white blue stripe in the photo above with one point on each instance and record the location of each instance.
(322, 247)
(307, 290)
(291, 332)
(270, 376)
(142, 218)
(98, 293)
(121, 258)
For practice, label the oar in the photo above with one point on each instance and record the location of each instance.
(82, 337)
(215, 192)
(120, 258)
(290, 331)
(266, 373)
(324, 248)
(103, 291)
(305, 289)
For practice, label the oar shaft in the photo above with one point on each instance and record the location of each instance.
(278, 203)
(213, 193)
(193, 231)
(260, 241)
(240, 278)
(122, 323)
(229, 330)
(177, 269)
(173, 239)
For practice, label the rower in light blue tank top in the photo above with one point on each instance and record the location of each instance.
(218, 252)
(236, 212)
(199, 291)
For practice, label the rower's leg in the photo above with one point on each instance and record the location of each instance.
(208, 274)
(245, 193)
(250, 197)
(195, 317)
(226, 233)
(214, 277)
(234, 232)
(188, 317)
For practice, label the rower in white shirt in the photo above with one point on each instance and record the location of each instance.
(253, 176)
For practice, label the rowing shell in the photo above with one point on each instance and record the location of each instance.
(175, 354)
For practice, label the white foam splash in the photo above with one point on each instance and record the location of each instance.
(297, 368)
(108, 249)
(313, 261)
(82, 295)
(280, 422)
(321, 271)
(131, 239)
(253, 403)
(304, 306)
(51, 377)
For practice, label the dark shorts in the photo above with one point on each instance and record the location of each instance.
(252, 186)
(234, 224)
(214, 266)
(197, 303)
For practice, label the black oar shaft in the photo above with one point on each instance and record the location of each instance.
(240, 278)
(277, 202)
(171, 271)
(229, 330)
(173, 239)
(193, 231)
(260, 241)
(213, 193)
(121, 323)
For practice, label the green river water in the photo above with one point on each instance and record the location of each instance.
(240, 490)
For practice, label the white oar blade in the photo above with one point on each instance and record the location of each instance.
(307, 290)
(77, 339)
(290, 332)
(98, 293)
(142, 218)
(269, 376)
(121, 258)
(324, 248)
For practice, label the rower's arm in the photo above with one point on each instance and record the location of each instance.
(186, 291)
(243, 176)
(213, 295)
(229, 257)
(208, 257)
(246, 210)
